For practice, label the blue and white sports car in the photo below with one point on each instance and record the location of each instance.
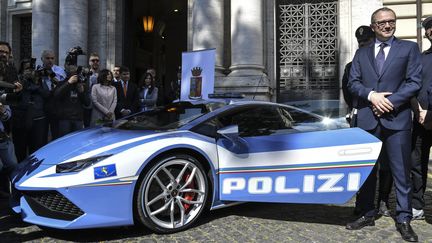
(163, 167)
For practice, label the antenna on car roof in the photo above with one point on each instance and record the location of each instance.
(259, 82)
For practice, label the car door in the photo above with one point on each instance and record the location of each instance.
(279, 157)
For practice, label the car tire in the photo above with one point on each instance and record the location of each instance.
(172, 194)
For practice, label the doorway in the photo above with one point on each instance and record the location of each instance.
(158, 46)
(307, 50)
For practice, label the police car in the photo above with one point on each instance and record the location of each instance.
(162, 168)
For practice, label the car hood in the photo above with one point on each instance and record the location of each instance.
(91, 142)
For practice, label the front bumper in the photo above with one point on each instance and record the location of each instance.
(89, 206)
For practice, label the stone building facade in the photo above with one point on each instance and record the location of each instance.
(277, 50)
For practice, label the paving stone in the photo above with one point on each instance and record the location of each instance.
(250, 222)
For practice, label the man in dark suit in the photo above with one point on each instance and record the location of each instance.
(383, 78)
(127, 94)
(365, 36)
(422, 129)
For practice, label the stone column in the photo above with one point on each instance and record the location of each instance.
(247, 37)
(208, 29)
(45, 27)
(73, 23)
(97, 32)
(3, 7)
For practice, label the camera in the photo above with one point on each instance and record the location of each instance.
(44, 72)
(71, 62)
(6, 88)
(72, 56)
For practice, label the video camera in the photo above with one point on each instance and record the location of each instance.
(71, 64)
(41, 71)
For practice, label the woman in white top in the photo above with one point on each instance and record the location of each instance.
(148, 93)
(104, 98)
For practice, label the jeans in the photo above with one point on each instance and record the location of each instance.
(8, 161)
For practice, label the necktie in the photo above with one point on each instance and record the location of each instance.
(125, 88)
(380, 57)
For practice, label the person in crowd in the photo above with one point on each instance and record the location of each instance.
(104, 98)
(127, 95)
(8, 161)
(94, 61)
(148, 93)
(72, 97)
(159, 84)
(8, 72)
(422, 129)
(175, 86)
(365, 36)
(51, 75)
(383, 78)
(29, 127)
(116, 73)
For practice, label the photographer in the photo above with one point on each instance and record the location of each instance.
(8, 161)
(9, 85)
(8, 90)
(72, 96)
(50, 74)
(29, 123)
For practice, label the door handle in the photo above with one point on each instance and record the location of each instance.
(355, 151)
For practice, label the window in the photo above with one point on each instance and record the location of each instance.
(252, 121)
(308, 122)
(171, 116)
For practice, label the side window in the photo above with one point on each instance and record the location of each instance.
(257, 121)
(299, 116)
(306, 122)
(208, 128)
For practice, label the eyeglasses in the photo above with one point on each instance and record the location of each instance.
(94, 60)
(5, 52)
(383, 23)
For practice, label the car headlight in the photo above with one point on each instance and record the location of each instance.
(79, 165)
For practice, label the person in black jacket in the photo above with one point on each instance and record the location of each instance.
(365, 36)
(71, 96)
(127, 94)
(29, 121)
(422, 130)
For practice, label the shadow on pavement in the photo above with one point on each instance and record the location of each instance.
(13, 229)
(307, 213)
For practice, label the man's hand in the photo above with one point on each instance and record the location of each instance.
(73, 79)
(18, 87)
(109, 115)
(380, 102)
(376, 111)
(422, 115)
(80, 88)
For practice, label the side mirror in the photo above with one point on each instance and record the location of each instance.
(230, 132)
(233, 142)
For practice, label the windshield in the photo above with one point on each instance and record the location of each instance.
(167, 117)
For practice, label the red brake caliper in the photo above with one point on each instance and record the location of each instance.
(188, 195)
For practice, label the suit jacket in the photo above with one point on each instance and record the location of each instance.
(401, 75)
(425, 94)
(130, 101)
